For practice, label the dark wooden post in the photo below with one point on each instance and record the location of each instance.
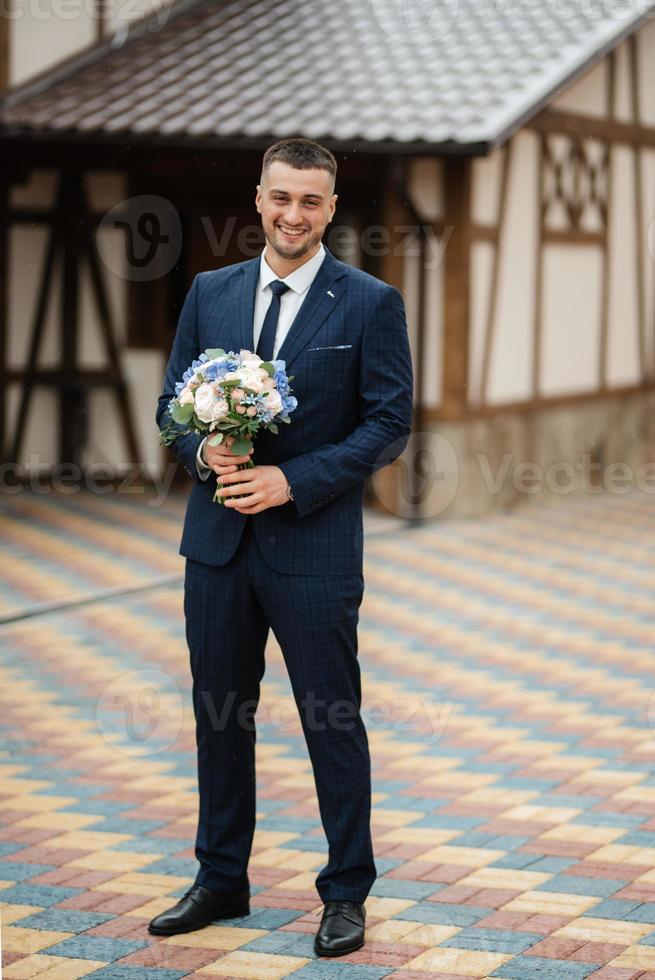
(5, 27)
(457, 300)
(4, 316)
(72, 408)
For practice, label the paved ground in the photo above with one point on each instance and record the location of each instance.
(508, 676)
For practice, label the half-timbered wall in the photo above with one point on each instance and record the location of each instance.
(563, 255)
(142, 368)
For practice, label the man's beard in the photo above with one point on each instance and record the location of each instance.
(290, 251)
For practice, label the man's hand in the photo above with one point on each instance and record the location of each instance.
(265, 486)
(221, 458)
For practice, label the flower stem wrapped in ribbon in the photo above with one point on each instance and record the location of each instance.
(227, 394)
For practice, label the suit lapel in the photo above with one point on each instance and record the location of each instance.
(322, 298)
(242, 303)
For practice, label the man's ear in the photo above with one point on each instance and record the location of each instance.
(333, 202)
(258, 198)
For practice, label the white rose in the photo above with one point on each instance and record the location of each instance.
(273, 401)
(220, 410)
(186, 396)
(250, 360)
(250, 379)
(210, 408)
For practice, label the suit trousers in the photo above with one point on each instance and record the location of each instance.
(229, 610)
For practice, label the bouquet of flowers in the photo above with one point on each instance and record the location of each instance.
(227, 394)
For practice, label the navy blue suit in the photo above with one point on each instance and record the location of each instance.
(296, 568)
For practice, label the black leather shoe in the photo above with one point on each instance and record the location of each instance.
(342, 928)
(197, 908)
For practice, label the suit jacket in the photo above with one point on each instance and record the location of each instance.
(348, 351)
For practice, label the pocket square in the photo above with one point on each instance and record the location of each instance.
(333, 347)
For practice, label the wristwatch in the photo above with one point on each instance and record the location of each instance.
(289, 494)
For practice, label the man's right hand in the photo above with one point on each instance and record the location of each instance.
(220, 458)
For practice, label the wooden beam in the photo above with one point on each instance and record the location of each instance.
(556, 236)
(638, 209)
(457, 288)
(38, 326)
(5, 28)
(530, 408)
(577, 124)
(537, 319)
(4, 318)
(73, 418)
(102, 19)
(610, 96)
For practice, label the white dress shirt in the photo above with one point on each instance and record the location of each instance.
(298, 282)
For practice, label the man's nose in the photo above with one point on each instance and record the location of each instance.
(294, 217)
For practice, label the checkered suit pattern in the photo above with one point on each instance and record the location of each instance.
(348, 351)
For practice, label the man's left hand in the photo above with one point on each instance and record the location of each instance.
(265, 486)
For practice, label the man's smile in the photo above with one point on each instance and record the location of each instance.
(291, 232)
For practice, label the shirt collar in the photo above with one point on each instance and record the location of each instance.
(299, 280)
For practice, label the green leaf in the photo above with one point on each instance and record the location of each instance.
(213, 352)
(241, 446)
(268, 367)
(216, 440)
(272, 427)
(182, 413)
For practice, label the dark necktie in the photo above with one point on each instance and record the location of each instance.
(269, 326)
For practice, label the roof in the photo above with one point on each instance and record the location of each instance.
(453, 74)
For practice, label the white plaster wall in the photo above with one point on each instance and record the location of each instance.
(44, 34)
(571, 317)
(485, 195)
(648, 183)
(646, 46)
(622, 347)
(425, 184)
(511, 361)
(588, 95)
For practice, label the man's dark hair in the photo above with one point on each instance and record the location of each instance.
(303, 154)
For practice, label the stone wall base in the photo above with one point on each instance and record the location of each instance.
(478, 466)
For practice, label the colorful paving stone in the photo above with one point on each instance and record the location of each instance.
(508, 667)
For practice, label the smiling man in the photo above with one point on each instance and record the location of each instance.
(285, 552)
